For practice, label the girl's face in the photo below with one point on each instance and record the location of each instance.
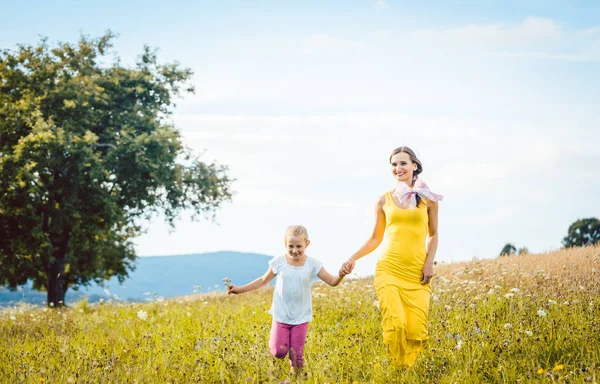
(296, 246)
(403, 167)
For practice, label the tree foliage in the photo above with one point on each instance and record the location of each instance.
(583, 232)
(88, 150)
(508, 250)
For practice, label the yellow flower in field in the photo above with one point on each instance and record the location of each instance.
(559, 367)
(377, 366)
(540, 371)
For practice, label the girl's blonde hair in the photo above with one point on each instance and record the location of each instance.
(296, 230)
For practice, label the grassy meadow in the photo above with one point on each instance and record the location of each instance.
(516, 319)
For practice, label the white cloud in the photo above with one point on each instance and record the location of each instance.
(325, 42)
(381, 4)
(534, 37)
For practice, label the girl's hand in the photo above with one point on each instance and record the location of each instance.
(347, 267)
(233, 289)
(427, 273)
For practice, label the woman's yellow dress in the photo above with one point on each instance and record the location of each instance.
(403, 300)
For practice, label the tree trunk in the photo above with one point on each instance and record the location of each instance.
(56, 274)
(55, 286)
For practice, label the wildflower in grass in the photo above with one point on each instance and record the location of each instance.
(447, 307)
(529, 333)
(376, 304)
(508, 326)
(553, 302)
(13, 318)
(509, 295)
(435, 297)
(142, 315)
(541, 313)
(515, 290)
(458, 345)
(540, 371)
(558, 367)
(491, 292)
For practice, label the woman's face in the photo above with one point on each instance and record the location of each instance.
(403, 167)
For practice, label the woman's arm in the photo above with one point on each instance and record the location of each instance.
(329, 278)
(256, 284)
(373, 242)
(432, 241)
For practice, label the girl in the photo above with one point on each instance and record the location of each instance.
(408, 216)
(292, 300)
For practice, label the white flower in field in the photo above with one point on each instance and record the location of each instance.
(491, 292)
(508, 326)
(376, 304)
(143, 315)
(566, 303)
(553, 302)
(188, 314)
(458, 345)
(515, 290)
(509, 295)
(529, 333)
(497, 287)
(447, 307)
(541, 313)
(13, 318)
(435, 297)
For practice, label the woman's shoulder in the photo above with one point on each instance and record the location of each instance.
(382, 199)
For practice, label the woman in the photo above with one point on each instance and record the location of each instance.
(408, 216)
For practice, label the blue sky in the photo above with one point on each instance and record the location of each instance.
(305, 100)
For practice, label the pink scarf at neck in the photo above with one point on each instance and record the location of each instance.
(408, 196)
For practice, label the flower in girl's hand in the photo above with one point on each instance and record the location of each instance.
(226, 282)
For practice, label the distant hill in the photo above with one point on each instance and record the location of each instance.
(164, 276)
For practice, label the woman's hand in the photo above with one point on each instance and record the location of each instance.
(233, 289)
(427, 273)
(347, 267)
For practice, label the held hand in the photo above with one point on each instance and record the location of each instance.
(427, 273)
(232, 289)
(347, 267)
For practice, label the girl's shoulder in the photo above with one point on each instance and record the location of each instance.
(276, 262)
(313, 262)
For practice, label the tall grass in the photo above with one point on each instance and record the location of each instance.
(532, 318)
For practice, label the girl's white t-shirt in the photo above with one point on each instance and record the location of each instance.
(292, 298)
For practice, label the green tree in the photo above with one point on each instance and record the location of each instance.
(508, 249)
(583, 232)
(87, 151)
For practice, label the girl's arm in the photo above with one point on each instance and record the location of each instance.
(256, 284)
(329, 278)
(432, 241)
(373, 242)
